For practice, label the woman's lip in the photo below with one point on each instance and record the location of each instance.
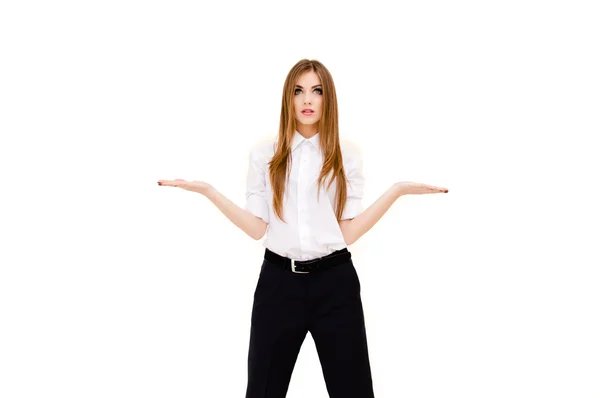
(308, 113)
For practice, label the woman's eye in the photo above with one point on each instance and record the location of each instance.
(318, 90)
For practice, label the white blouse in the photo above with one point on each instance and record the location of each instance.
(312, 230)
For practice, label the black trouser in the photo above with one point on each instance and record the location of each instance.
(325, 303)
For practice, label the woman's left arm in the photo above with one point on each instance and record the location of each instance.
(356, 227)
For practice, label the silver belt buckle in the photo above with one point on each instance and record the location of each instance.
(294, 268)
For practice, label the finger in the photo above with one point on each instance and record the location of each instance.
(432, 189)
(438, 189)
(167, 183)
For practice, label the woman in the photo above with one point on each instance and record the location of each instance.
(304, 191)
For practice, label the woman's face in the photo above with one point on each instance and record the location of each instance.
(308, 99)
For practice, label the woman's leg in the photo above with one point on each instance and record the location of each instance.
(338, 329)
(278, 329)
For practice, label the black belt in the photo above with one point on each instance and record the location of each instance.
(306, 266)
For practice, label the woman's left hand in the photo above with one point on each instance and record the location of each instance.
(416, 188)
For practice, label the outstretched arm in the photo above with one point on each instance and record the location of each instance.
(252, 225)
(254, 218)
(356, 227)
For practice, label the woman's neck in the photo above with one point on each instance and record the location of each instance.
(307, 130)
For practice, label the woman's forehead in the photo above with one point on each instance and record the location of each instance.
(309, 78)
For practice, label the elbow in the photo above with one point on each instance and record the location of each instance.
(260, 232)
(347, 231)
(348, 240)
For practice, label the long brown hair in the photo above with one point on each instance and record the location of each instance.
(280, 164)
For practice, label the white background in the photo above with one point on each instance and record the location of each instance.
(112, 286)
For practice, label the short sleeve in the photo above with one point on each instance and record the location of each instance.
(355, 183)
(256, 199)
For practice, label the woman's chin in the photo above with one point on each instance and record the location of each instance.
(306, 122)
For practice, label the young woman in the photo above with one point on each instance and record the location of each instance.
(304, 191)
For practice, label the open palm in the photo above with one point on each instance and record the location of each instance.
(194, 186)
(416, 188)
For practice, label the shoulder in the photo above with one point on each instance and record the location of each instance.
(263, 150)
(351, 152)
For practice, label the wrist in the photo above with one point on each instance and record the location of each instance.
(210, 192)
(397, 190)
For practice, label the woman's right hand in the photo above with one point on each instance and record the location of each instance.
(200, 187)
(415, 188)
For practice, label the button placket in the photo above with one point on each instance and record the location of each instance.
(299, 196)
(303, 195)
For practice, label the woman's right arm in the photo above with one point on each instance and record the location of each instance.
(252, 225)
(254, 218)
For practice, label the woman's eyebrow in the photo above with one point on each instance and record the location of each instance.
(298, 86)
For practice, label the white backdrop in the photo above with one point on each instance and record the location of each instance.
(112, 286)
